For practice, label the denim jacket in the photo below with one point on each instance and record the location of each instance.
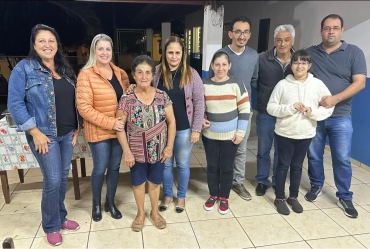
(31, 99)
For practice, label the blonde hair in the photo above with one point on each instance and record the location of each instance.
(166, 74)
(92, 59)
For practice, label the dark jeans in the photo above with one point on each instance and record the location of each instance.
(291, 152)
(220, 155)
(106, 156)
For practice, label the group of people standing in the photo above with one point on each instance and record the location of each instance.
(155, 122)
(298, 111)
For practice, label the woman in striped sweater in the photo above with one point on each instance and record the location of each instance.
(227, 112)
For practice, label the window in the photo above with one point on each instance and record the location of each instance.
(196, 42)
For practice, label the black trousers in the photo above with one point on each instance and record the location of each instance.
(291, 153)
(220, 155)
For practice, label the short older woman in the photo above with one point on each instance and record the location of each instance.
(151, 132)
(100, 85)
(41, 100)
(185, 88)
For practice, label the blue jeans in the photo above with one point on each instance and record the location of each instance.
(106, 155)
(265, 131)
(55, 167)
(181, 154)
(339, 131)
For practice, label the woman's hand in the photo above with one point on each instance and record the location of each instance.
(130, 89)
(41, 143)
(166, 154)
(75, 136)
(194, 138)
(119, 125)
(307, 111)
(299, 107)
(237, 139)
(129, 158)
(206, 123)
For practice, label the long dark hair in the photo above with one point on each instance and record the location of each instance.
(60, 62)
(187, 76)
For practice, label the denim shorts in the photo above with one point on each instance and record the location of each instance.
(141, 172)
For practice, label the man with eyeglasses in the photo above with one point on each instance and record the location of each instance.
(342, 67)
(274, 65)
(244, 65)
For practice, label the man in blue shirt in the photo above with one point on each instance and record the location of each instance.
(342, 67)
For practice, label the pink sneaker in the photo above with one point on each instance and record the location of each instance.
(70, 225)
(54, 239)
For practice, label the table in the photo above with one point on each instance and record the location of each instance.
(16, 155)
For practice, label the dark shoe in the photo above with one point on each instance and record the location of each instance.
(180, 209)
(261, 189)
(242, 192)
(224, 206)
(210, 203)
(281, 206)
(163, 207)
(109, 206)
(296, 206)
(96, 210)
(347, 207)
(314, 192)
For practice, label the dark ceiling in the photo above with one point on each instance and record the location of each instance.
(78, 21)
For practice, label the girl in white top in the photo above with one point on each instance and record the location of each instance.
(295, 104)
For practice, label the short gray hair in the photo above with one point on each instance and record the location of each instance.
(285, 27)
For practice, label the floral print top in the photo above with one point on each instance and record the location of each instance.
(146, 125)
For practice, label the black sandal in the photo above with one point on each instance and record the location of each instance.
(179, 209)
(163, 207)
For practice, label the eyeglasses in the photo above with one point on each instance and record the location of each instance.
(327, 29)
(302, 63)
(239, 32)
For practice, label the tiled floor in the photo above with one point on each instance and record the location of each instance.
(250, 224)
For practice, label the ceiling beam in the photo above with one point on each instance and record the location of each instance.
(194, 2)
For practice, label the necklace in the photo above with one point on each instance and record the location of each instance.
(174, 76)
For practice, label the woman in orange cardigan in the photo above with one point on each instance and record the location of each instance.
(100, 85)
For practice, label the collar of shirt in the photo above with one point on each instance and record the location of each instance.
(278, 59)
(237, 52)
(342, 47)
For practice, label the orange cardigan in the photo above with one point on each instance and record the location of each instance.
(97, 102)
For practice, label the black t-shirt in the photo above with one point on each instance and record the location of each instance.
(177, 96)
(65, 106)
(117, 87)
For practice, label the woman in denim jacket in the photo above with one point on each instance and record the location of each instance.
(41, 100)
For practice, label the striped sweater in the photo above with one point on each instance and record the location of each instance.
(227, 108)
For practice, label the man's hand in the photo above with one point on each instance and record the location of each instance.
(329, 101)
